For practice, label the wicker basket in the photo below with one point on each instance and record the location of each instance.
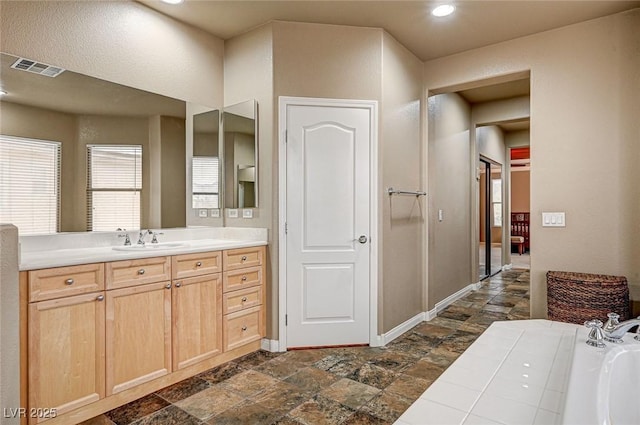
(576, 297)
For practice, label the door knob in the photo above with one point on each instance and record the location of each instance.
(362, 239)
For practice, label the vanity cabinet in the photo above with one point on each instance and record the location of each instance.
(138, 332)
(100, 335)
(243, 299)
(66, 352)
(197, 308)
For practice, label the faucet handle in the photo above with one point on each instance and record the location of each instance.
(155, 237)
(596, 336)
(612, 322)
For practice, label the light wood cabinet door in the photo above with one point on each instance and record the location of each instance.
(243, 257)
(241, 300)
(58, 282)
(197, 319)
(138, 335)
(243, 327)
(121, 274)
(66, 352)
(242, 278)
(198, 264)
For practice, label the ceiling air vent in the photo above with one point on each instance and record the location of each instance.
(37, 67)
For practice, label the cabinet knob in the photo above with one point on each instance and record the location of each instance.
(244, 299)
(168, 286)
(244, 278)
(244, 328)
(100, 298)
(244, 258)
(68, 282)
(141, 271)
(198, 264)
(178, 284)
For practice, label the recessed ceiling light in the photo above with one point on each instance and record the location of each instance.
(443, 10)
(172, 1)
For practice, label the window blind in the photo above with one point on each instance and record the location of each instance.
(114, 186)
(206, 182)
(30, 184)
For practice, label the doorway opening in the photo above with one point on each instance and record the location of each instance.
(491, 220)
(520, 168)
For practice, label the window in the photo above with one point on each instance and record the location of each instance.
(205, 182)
(114, 185)
(496, 200)
(30, 184)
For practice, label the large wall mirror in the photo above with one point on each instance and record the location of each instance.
(240, 124)
(80, 111)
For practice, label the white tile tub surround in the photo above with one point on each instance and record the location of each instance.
(65, 249)
(515, 373)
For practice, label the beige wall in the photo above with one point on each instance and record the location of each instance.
(584, 109)
(173, 172)
(520, 191)
(402, 265)
(120, 41)
(327, 61)
(449, 174)
(9, 317)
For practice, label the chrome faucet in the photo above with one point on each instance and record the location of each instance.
(143, 234)
(125, 235)
(614, 331)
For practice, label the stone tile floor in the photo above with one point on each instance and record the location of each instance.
(360, 385)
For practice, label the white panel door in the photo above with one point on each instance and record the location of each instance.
(327, 215)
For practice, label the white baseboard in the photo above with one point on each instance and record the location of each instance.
(432, 314)
(401, 328)
(381, 340)
(272, 345)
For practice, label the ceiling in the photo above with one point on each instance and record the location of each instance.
(475, 23)
(75, 93)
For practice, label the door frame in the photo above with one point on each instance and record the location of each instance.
(372, 107)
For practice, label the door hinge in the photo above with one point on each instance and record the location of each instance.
(285, 228)
(286, 319)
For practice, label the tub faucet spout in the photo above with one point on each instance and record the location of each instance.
(614, 331)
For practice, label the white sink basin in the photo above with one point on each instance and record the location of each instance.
(150, 246)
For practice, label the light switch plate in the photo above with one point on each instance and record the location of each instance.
(215, 213)
(553, 219)
(247, 213)
(440, 215)
(232, 213)
(202, 213)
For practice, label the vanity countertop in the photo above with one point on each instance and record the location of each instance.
(70, 249)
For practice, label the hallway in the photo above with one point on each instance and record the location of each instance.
(359, 385)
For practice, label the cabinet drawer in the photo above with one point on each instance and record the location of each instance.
(243, 257)
(242, 299)
(189, 265)
(242, 327)
(243, 278)
(121, 274)
(60, 282)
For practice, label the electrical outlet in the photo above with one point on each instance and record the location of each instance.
(215, 213)
(247, 213)
(232, 213)
(202, 213)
